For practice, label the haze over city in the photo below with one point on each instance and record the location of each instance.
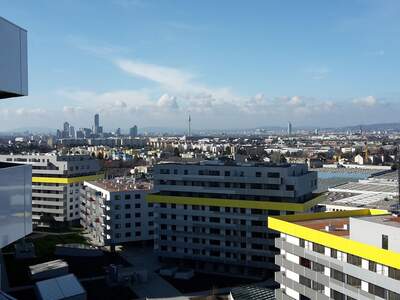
(152, 63)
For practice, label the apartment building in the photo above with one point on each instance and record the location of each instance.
(341, 255)
(211, 216)
(56, 182)
(115, 211)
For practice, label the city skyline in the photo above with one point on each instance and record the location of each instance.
(171, 60)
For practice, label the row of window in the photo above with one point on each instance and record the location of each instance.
(345, 278)
(220, 173)
(128, 225)
(352, 259)
(129, 234)
(215, 253)
(127, 197)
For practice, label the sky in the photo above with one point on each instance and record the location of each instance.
(229, 64)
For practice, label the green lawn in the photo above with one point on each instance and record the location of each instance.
(45, 246)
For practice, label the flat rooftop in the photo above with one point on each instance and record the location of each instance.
(390, 176)
(122, 185)
(337, 226)
(367, 200)
(387, 220)
(366, 187)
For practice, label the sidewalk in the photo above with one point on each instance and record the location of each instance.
(156, 286)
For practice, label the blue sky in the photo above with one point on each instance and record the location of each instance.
(227, 63)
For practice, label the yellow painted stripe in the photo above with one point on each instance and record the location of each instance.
(267, 205)
(381, 256)
(67, 180)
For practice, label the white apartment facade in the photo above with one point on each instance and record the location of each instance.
(211, 216)
(342, 255)
(56, 183)
(115, 211)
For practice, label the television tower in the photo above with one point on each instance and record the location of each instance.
(189, 123)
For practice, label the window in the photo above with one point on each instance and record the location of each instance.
(137, 196)
(227, 173)
(394, 273)
(337, 296)
(137, 205)
(354, 260)
(273, 175)
(305, 281)
(353, 281)
(127, 234)
(338, 275)
(127, 206)
(393, 296)
(274, 187)
(372, 266)
(376, 290)
(318, 248)
(137, 215)
(316, 286)
(127, 196)
(385, 242)
(127, 216)
(127, 225)
(258, 174)
(117, 197)
(290, 187)
(305, 262)
(318, 267)
(117, 207)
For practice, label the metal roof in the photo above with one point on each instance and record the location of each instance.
(251, 292)
(60, 287)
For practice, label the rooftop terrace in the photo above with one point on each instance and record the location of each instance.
(122, 185)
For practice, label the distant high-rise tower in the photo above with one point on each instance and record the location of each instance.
(71, 132)
(133, 131)
(96, 123)
(66, 127)
(289, 128)
(190, 130)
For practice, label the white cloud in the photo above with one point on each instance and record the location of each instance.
(167, 102)
(166, 76)
(368, 101)
(30, 112)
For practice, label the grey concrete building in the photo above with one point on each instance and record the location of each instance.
(211, 216)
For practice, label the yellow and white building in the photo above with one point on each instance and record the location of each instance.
(56, 183)
(342, 255)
